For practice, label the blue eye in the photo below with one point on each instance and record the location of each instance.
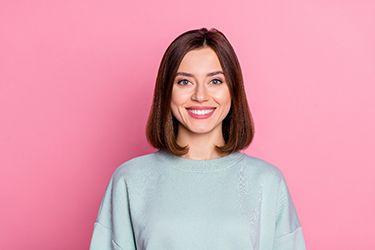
(183, 82)
(217, 81)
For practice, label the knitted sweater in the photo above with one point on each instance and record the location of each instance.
(160, 201)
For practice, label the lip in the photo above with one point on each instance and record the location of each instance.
(200, 107)
(196, 116)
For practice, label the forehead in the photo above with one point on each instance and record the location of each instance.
(200, 60)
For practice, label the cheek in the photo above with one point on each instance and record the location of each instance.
(223, 97)
(179, 97)
(174, 108)
(177, 100)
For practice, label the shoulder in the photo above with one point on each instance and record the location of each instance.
(135, 166)
(264, 171)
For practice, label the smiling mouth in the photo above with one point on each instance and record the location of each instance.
(200, 113)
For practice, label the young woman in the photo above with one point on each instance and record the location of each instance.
(198, 191)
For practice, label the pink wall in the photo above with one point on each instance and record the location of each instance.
(76, 82)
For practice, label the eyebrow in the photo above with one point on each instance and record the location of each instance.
(191, 75)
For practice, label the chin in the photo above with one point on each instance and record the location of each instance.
(201, 130)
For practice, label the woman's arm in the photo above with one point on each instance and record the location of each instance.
(288, 232)
(113, 228)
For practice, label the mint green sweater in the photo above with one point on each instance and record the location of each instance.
(160, 201)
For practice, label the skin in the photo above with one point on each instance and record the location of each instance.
(200, 89)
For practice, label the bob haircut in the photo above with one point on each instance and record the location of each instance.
(162, 126)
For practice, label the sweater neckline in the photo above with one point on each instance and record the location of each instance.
(200, 165)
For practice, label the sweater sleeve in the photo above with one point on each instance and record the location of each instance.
(113, 227)
(288, 234)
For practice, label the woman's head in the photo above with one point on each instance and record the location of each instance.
(165, 118)
(200, 98)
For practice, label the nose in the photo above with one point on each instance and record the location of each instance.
(200, 93)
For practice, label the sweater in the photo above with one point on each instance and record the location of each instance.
(160, 201)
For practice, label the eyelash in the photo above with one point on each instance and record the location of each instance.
(220, 81)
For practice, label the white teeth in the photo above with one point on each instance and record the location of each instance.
(201, 112)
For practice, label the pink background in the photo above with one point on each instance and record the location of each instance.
(76, 82)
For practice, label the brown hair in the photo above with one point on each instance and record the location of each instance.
(162, 126)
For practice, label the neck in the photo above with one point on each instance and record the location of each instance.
(201, 146)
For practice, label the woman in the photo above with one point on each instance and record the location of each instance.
(198, 191)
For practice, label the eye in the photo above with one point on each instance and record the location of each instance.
(183, 82)
(217, 81)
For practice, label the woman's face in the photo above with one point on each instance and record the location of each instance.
(200, 95)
